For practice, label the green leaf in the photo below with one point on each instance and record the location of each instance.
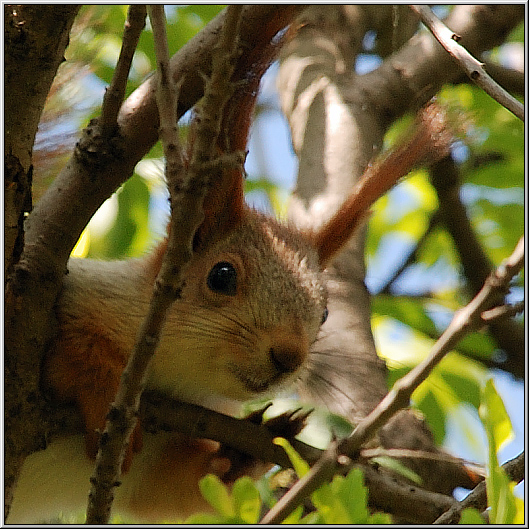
(217, 495)
(203, 519)
(129, 233)
(300, 466)
(495, 417)
(499, 430)
(295, 516)
(329, 505)
(246, 500)
(353, 495)
(380, 518)
(471, 516)
(500, 497)
(519, 518)
(313, 518)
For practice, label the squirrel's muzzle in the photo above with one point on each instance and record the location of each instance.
(287, 350)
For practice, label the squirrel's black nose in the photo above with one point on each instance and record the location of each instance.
(287, 357)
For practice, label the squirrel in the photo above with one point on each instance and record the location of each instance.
(251, 307)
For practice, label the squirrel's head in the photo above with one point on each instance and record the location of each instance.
(251, 307)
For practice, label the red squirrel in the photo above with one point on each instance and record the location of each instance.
(252, 305)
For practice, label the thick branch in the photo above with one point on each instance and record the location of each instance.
(414, 74)
(84, 184)
(335, 133)
(35, 40)
(87, 180)
(159, 413)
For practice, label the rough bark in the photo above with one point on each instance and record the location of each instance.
(35, 39)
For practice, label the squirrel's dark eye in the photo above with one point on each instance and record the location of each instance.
(222, 279)
(325, 315)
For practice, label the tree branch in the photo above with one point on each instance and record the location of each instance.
(411, 76)
(98, 168)
(501, 313)
(115, 93)
(473, 68)
(158, 413)
(91, 175)
(508, 334)
(466, 320)
(35, 39)
(338, 120)
(515, 470)
(187, 191)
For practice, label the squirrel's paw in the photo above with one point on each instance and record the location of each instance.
(287, 425)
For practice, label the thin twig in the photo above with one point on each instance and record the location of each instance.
(503, 312)
(187, 195)
(122, 419)
(369, 453)
(464, 321)
(515, 470)
(472, 67)
(115, 93)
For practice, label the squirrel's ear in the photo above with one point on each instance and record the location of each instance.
(224, 201)
(223, 208)
(429, 142)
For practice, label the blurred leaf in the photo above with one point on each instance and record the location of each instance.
(519, 517)
(517, 34)
(471, 516)
(329, 506)
(455, 380)
(338, 425)
(477, 345)
(313, 518)
(353, 495)
(407, 310)
(344, 501)
(300, 466)
(129, 232)
(204, 519)
(395, 465)
(495, 417)
(434, 409)
(380, 518)
(246, 500)
(499, 430)
(414, 312)
(438, 245)
(295, 516)
(217, 495)
(498, 227)
(82, 246)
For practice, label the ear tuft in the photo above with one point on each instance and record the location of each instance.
(429, 143)
(223, 208)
